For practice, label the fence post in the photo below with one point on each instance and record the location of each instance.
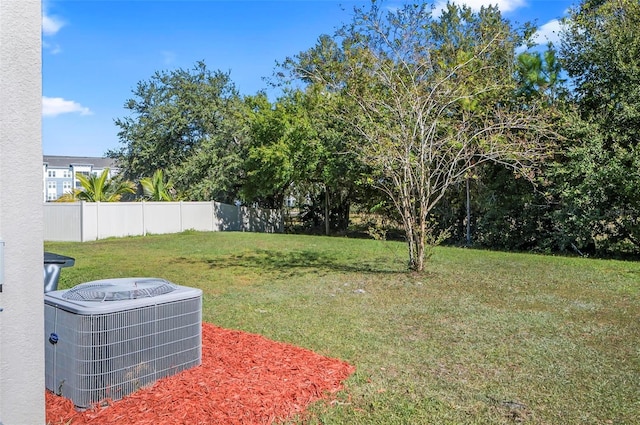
(82, 221)
(180, 217)
(213, 219)
(97, 220)
(144, 222)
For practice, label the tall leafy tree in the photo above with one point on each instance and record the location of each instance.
(601, 52)
(333, 182)
(188, 123)
(298, 147)
(278, 155)
(430, 99)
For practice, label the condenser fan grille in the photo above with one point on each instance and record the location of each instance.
(116, 290)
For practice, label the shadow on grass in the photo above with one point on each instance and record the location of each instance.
(299, 261)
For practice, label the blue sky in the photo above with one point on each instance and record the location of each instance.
(96, 51)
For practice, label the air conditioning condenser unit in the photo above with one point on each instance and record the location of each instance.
(107, 338)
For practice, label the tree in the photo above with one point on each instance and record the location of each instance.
(510, 212)
(99, 188)
(599, 180)
(277, 154)
(540, 74)
(335, 182)
(155, 188)
(298, 146)
(600, 51)
(190, 124)
(431, 100)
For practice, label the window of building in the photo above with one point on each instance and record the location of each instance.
(51, 185)
(66, 187)
(52, 173)
(66, 174)
(52, 196)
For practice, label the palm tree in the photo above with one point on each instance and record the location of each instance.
(99, 188)
(155, 188)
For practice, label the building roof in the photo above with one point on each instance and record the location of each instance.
(66, 161)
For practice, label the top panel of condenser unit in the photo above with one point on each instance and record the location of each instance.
(111, 295)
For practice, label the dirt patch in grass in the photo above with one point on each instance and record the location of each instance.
(244, 379)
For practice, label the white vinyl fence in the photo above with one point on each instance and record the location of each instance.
(87, 221)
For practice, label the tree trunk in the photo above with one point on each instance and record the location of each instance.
(326, 210)
(416, 252)
(468, 215)
(415, 234)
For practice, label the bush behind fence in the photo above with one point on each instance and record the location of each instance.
(87, 221)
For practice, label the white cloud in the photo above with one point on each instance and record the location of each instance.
(549, 32)
(54, 49)
(53, 106)
(50, 24)
(503, 5)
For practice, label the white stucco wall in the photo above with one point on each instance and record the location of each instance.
(21, 300)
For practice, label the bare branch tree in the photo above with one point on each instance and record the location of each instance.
(432, 100)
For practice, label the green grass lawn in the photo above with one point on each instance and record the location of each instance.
(480, 338)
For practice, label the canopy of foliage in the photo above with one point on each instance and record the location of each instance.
(453, 127)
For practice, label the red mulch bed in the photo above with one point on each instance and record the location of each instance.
(244, 379)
